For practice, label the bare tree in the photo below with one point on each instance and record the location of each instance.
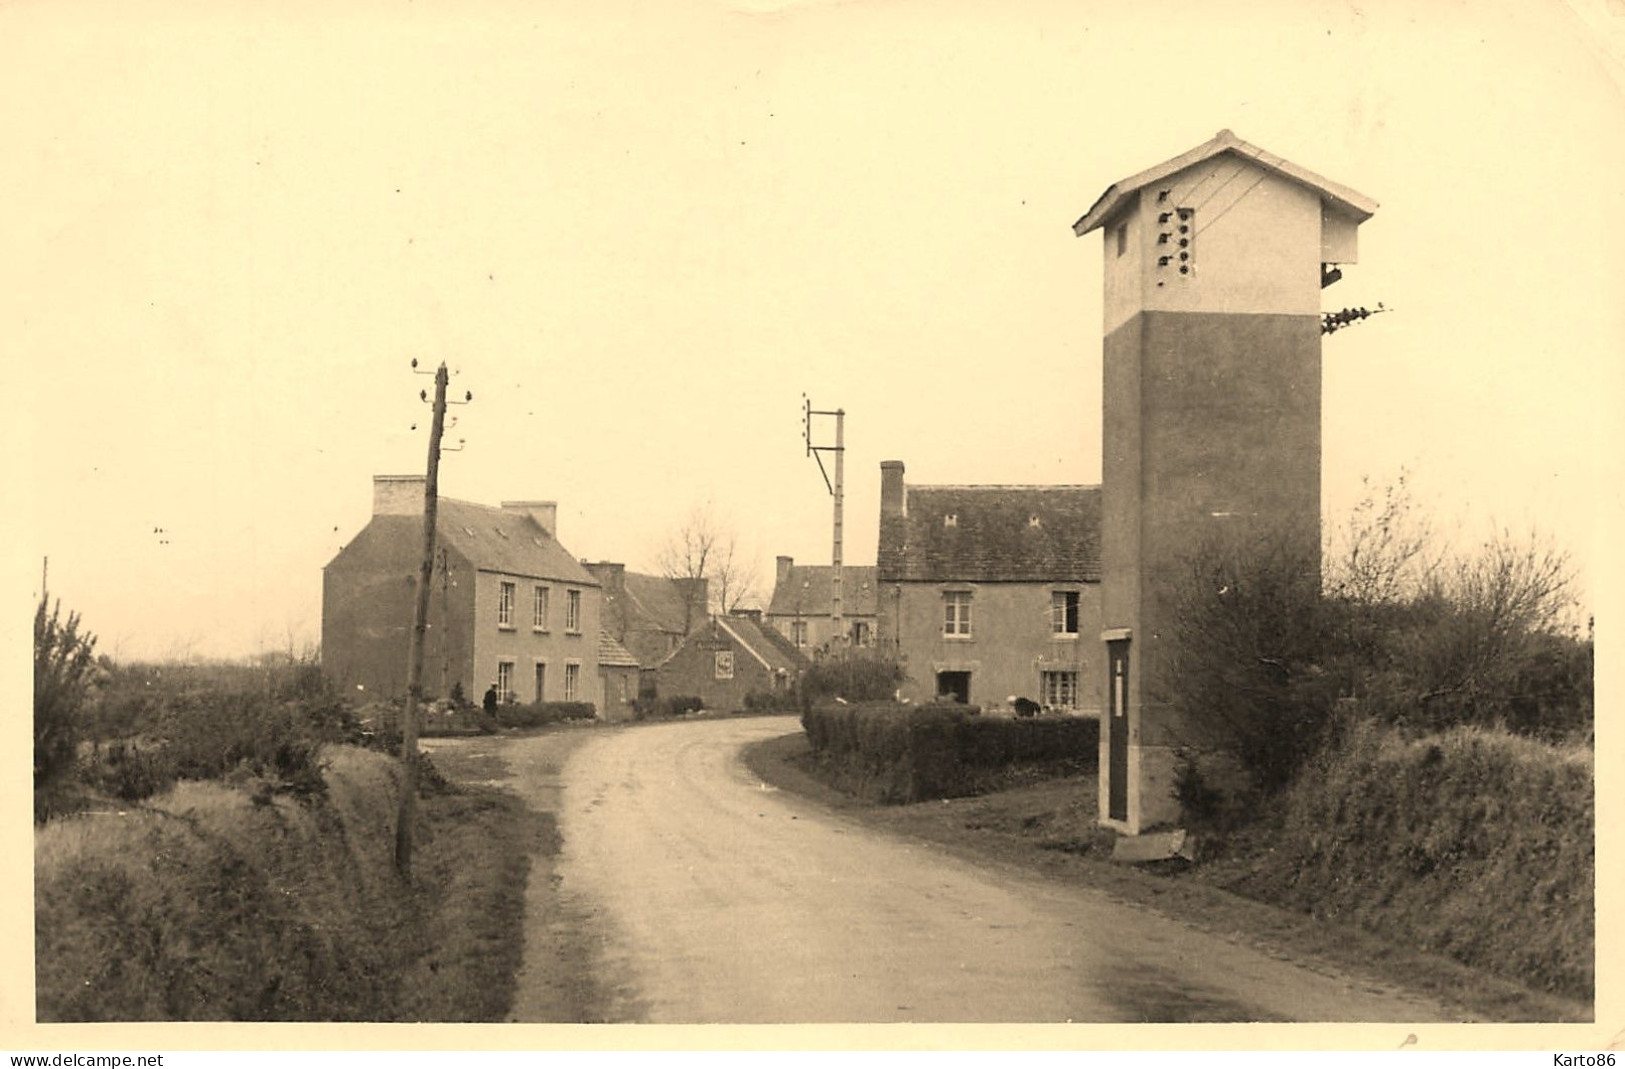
(704, 559)
(733, 576)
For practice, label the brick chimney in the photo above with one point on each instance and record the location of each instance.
(545, 513)
(893, 501)
(397, 495)
(783, 576)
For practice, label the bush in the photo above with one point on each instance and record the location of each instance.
(540, 714)
(1250, 632)
(906, 753)
(771, 701)
(650, 707)
(853, 677)
(63, 667)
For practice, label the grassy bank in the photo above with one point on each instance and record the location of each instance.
(212, 901)
(1473, 843)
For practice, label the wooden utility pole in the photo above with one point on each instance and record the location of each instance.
(420, 627)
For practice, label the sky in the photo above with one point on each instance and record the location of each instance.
(640, 234)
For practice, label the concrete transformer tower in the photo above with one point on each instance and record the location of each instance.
(1214, 263)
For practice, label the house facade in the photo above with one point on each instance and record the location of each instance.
(991, 593)
(508, 604)
(803, 604)
(730, 657)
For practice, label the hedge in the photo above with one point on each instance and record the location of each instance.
(539, 714)
(908, 753)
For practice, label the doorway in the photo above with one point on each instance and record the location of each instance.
(954, 687)
(1117, 729)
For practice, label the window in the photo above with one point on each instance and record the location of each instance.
(1063, 612)
(1122, 238)
(798, 632)
(956, 612)
(505, 605)
(538, 609)
(505, 679)
(572, 681)
(572, 611)
(860, 633)
(1060, 689)
(541, 681)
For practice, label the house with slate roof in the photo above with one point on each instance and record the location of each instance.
(989, 593)
(650, 615)
(803, 603)
(730, 657)
(508, 605)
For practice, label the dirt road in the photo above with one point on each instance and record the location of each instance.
(700, 895)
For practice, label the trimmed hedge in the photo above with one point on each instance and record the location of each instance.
(539, 714)
(908, 753)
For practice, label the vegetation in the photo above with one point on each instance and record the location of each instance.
(1270, 663)
(1472, 842)
(540, 714)
(905, 753)
(216, 844)
(63, 669)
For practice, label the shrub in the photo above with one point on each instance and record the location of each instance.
(853, 677)
(771, 701)
(1245, 677)
(540, 714)
(906, 753)
(63, 666)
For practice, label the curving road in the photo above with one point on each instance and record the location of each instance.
(711, 898)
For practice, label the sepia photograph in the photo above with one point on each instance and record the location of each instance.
(858, 525)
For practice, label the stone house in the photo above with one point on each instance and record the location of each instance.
(729, 657)
(509, 605)
(619, 673)
(803, 601)
(992, 593)
(649, 615)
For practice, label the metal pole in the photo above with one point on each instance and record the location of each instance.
(420, 626)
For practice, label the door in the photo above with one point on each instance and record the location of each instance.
(1117, 729)
(541, 681)
(954, 687)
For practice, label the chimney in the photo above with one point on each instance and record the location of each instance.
(892, 499)
(545, 513)
(397, 495)
(783, 576)
(611, 576)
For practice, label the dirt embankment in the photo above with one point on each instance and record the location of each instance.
(213, 902)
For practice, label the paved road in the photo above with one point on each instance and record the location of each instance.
(712, 898)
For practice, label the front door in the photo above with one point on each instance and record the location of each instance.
(954, 687)
(1117, 729)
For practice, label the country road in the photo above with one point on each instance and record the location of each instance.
(697, 894)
